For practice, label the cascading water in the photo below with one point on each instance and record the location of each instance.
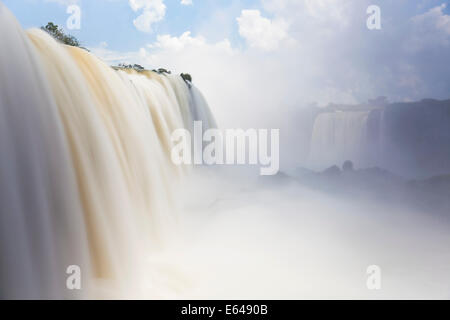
(86, 176)
(41, 222)
(339, 136)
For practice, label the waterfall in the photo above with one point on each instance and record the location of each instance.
(85, 171)
(339, 136)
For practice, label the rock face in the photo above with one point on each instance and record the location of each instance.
(415, 137)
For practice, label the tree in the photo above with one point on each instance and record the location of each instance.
(125, 66)
(57, 33)
(136, 67)
(162, 71)
(347, 166)
(186, 77)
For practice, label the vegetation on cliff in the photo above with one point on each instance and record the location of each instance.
(59, 34)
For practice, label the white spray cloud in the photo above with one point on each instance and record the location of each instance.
(261, 32)
(263, 82)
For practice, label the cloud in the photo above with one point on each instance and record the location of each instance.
(335, 58)
(186, 2)
(434, 19)
(260, 32)
(186, 40)
(113, 57)
(153, 12)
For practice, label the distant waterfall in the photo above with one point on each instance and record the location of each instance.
(339, 136)
(85, 171)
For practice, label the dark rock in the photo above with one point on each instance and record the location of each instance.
(347, 166)
(332, 171)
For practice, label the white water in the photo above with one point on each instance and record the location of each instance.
(86, 177)
(339, 136)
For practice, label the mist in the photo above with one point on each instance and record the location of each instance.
(364, 147)
(280, 238)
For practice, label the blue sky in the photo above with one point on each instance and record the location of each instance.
(111, 21)
(270, 54)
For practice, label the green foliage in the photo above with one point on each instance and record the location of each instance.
(136, 67)
(59, 35)
(162, 71)
(186, 77)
